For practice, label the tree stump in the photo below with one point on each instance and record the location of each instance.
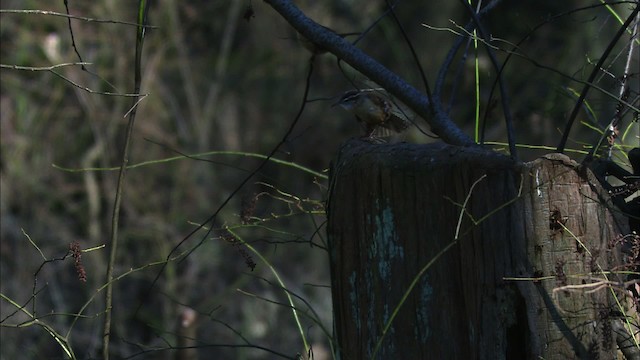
(480, 245)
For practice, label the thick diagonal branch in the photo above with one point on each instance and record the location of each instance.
(440, 122)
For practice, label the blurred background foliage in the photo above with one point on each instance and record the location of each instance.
(221, 77)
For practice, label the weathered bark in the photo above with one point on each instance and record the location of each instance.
(393, 208)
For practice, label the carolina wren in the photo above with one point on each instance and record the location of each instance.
(375, 109)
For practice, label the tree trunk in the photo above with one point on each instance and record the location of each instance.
(496, 292)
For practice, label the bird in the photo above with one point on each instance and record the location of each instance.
(376, 110)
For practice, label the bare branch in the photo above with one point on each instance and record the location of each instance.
(440, 123)
(75, 17)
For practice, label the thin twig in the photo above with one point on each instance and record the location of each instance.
(612, 129)
(504, 98)
(213, 216)
(143, 10)
(414, 55)
(422, 271)
(52, 69)
(592, 76)
(74, 17)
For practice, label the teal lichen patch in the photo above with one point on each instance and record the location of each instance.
(384, 248)
(422, 324)
(353, 300)
(373, 323)
(385, 255)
